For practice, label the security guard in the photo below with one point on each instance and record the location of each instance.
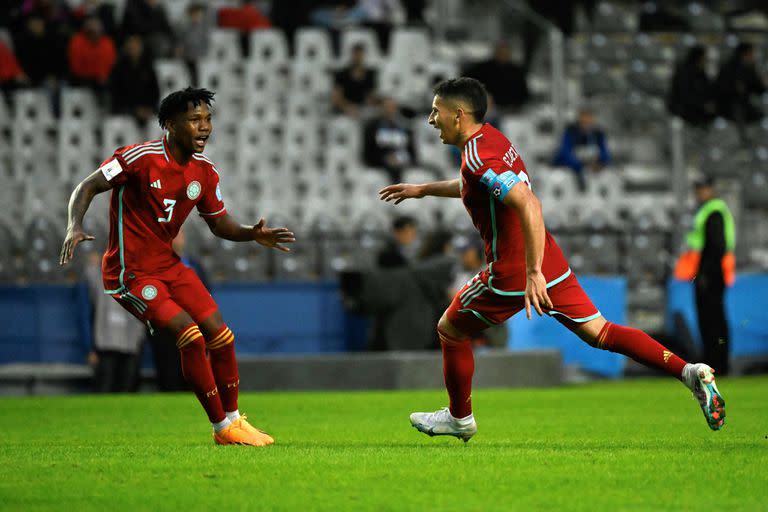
(710, 262)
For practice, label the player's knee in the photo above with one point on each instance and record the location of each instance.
(220, 338)
(190, 338)
(447, 331)
(212, 325)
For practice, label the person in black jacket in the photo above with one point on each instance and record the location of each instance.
(133, 82)
(737, 82)
(388, 141)
(691, 95)
(503, 78)
(397, 253)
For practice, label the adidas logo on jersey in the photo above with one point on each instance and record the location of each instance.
(156, 184)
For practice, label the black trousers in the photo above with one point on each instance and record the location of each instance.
(116, 372)
(167, 363)
(713, 325)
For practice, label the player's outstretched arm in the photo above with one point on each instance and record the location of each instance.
(402, 191)
(528, 206)
(228, 228)
(79, 202)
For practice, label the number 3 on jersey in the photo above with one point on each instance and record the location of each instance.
(169, 204)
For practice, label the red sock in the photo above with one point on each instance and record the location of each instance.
(197, 371)
(458, 367)
(640, 347)
(224, 365)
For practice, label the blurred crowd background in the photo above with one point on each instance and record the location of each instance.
(615, 106)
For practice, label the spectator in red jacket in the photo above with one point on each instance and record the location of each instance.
(91, 55)
(11, 74)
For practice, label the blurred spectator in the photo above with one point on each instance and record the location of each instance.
(166, 355)
(117, 337)
(381, 15)
(91, 56)
(195, 37)
(583, 146)
(691, 95)
(472, 261)
(335, 14)
(11, 74)
(289, 16)
(97, 9)
(388, 141)
(354, 86)
(246, 19)
(414, 11)
(149, 19)
(737, 82)
(133, 82)
(40, 53)
(503, 78)
(399, 249)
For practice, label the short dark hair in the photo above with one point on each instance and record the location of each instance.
(465, 89)
(403, 221)
(178, 102)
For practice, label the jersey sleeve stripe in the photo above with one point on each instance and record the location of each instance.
(474, 151)
(143, 153)
(470, 162)
(140, 147)
(214, 213)
(203, 158)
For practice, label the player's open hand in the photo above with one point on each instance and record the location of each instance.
(400, 192)
(74, 237)
(272, 237)
(536, 293)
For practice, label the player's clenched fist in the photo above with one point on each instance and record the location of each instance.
(73, 238)
(272, 237)
(401, 192)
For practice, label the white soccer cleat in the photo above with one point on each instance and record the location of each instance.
(700, 379)
(442, 423)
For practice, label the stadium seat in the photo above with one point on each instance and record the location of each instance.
(312, 49)
(263, 86)
(172, 75)
(365, 36)
(611, 17)
(410, 45)
(268, 49)
(302, 138)
(345, 133)
(755, 195)
(220, 76)
(77, 148)
(118, 131)
(653, 79)
(316, 83)
(32, 106)
(606, 50)
(79, 104)
(224, 46)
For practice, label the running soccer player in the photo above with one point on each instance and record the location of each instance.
(154, 187)
(526, 268)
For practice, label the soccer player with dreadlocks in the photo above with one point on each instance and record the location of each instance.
(154, 187)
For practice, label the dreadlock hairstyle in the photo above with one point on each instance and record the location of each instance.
(178, 102)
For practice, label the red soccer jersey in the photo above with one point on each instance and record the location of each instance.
(151, 198)
(490, 166)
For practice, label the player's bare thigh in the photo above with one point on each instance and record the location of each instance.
(212, 325)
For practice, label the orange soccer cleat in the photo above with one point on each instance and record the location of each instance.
(242, 421)
(236, 433)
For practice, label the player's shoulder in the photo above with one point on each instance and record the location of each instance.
(205, 162)
(485, 147)
(132, 153)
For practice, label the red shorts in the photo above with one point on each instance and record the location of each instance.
(158, 299)
(476, 306)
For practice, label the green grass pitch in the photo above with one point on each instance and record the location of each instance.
(631, 445)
